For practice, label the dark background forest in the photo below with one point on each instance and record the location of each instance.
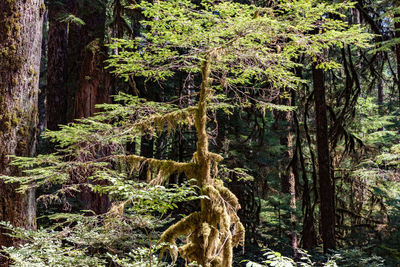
(315, 170)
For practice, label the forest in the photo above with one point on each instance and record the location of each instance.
(210, 133)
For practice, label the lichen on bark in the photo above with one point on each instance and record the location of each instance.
(20, 39)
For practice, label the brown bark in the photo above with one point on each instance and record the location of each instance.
(326, 186)
(288, 181)
(56, 91)
(283, 126)
(292, 191)
(94, 81)
(89, 82)
(20, 50)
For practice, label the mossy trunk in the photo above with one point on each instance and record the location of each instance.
(216, 229)
(20, 52)
(214, 235)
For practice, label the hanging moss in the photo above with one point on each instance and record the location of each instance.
(183, 227)
(171, 121)
(162, 168)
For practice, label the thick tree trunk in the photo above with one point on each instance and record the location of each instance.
(88, 83)
(93, 81)
(20, 50)
(56, 91)
(326, 186)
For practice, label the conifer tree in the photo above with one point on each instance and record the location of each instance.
(228, 50)
(20, 39)
(235, 48)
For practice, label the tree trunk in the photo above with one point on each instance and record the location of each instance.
(20, 51)
(93, 81)
(88, 83)
(326, 186)
(56, 91)
(288, 181)
(214, 230)
(397, 35)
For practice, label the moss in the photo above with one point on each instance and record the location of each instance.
(22, 146)
(4, 52)
(31, 83)
(162, 168)
(14, 81)
(31, 71)
(31, 93)
(15, 120)
(19, 111)
(23, 131)
(42, 9)
(7, 125)
(183, 227)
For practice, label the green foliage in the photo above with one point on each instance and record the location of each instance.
(254, 52)
(125, 235)
(278, 260)
(345, 258)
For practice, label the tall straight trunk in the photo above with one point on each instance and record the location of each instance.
(397, 35)
(326, 186)
(292, 192)
(93, 81)
(20, 53)
(88, 82)
(56, 90)
(288, 181)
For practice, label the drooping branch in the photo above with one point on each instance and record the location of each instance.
(162, 168)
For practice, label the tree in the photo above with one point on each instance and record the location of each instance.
(235, 48)
(20, 49)
(57, 91)
(228, 50)
(325, 183)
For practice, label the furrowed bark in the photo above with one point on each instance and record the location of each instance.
(20, 53)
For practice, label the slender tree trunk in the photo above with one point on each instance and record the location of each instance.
(326, 186)
(288, 181)
(292, 191)
(397, 35)
(204, 174)
(20, 50)
(212, 232)
(56, 91)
